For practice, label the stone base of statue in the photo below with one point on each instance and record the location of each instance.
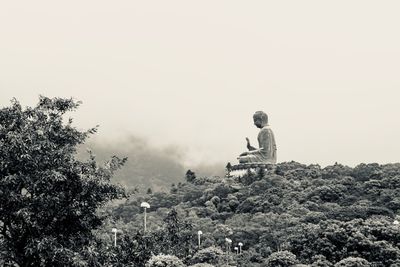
(242, 169)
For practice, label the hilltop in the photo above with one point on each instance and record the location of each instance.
(317, 214)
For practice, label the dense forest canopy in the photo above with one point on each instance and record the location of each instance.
(320, 215)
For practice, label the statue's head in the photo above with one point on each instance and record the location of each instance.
(260, 119)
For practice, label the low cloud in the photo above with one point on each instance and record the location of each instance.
(148, 166)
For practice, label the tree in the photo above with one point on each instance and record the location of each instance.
(321, 261)
(249, 177)
(353, 262)
(210, 255)
(202, 265)
(190, 176)
(164, 261)
(173, 190)
(228, 168)
(177, 237)
(281, 259)
(260, 173)
(48, 198)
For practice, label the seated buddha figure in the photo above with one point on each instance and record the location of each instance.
(266, 151)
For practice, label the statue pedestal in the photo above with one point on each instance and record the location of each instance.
(242, 169)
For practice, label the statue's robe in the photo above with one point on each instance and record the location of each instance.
(267, 145)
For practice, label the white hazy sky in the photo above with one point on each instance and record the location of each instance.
(192, 73)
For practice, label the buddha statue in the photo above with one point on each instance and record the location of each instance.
(266, 151)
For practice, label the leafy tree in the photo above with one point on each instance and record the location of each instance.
(173, 189)
(249, 258)
(353, 262)
(190, 176)
(365, 172)
(335, 171)
(329, 193)
(215, 200)
(260, 173)
(210, 255)
(281, 259)
(249, 177)
(321, 261)
(202, 265)
(222, 190)
(132, 250)
(228, 168)
(164, 261)
(177, 236)
(48, 198)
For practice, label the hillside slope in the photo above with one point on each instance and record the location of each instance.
(318, 214)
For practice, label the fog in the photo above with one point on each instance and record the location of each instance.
(147, 166)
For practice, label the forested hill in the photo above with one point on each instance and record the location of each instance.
(147, 166)
(320, 215)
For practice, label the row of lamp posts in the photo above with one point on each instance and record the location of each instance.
(146, 206)
(238, 249)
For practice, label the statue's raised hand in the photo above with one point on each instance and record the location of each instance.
(248, 143)
(249, 147)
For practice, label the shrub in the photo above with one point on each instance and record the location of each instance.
(211, 255)
(321, 261)
(353, 262)
(164, 261)
(281, 259)
(202, 265)
(365, 172)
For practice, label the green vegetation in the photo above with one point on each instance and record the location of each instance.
(53, 213)
(293, 214)
(48, 199)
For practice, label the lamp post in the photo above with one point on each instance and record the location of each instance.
(236, 249)
(114, 230)
(146, 206)
(240, 247)
(199, 233)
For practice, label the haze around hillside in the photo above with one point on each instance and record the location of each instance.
(147, 166)
(190, 75)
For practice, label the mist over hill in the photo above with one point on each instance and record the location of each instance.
(147, 166)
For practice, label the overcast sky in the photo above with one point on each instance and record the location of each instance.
(190, 74)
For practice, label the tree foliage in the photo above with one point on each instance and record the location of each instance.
(353, 262)
(210, 255)
(190, 176)
(48, 198)
(281, 259)
(321, 215)
(164, 261)
(283, 216)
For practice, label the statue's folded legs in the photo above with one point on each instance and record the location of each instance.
(254, 158)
